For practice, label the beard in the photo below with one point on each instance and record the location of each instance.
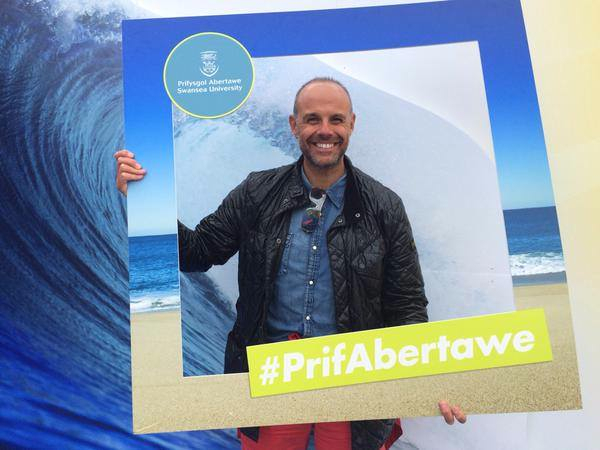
(323, 163)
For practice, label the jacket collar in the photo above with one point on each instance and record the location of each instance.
(353, 205)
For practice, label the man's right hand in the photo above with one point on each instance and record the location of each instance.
(128, 169)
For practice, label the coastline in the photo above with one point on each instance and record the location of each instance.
(539, 279)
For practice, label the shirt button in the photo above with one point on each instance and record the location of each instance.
(357, 215)
(278, 241)
(311, 282)
(340, 220)
(314, 247)
(307, 317)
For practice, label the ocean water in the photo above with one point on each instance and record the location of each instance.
(153, 273)
(534, 245)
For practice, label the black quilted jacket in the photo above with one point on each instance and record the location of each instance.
(377, 280)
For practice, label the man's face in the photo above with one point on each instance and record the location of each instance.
(323, 124)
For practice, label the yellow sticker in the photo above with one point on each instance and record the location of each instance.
(457, 345)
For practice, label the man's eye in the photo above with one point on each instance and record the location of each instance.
(336, 121)
(312, 120)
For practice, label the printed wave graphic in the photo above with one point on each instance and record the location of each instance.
(64, 334)
(207, 317)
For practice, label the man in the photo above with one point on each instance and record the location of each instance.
(323, 249)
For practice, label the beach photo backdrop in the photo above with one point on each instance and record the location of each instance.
(468, 159)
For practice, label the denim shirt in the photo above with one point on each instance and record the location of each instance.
(304, 301)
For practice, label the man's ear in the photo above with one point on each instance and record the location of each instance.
(293, 125)
(352, 121)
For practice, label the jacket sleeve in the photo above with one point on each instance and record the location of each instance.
(217, 237)
(403, 293)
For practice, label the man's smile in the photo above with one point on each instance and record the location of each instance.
(325, 145)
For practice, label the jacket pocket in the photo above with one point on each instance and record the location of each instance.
(285, 258)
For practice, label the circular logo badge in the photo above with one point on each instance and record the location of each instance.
(208, 75)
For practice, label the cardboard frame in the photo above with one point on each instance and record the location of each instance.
(164, 400)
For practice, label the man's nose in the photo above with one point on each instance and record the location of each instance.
(325, 129)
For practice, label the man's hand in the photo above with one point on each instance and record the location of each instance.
(128, 169)
(451, 412)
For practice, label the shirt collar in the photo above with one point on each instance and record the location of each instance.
(335, 193)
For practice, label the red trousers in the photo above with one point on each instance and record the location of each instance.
(328, 436)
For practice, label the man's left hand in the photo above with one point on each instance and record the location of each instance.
(451, 412)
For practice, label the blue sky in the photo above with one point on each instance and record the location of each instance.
(497, 25)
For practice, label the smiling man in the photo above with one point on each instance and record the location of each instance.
(323, 249)
(323, 122)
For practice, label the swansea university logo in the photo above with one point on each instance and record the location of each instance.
(208, 75)
(209, 63)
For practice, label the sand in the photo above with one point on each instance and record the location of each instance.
(164, 400)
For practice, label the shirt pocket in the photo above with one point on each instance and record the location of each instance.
(285, 258)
